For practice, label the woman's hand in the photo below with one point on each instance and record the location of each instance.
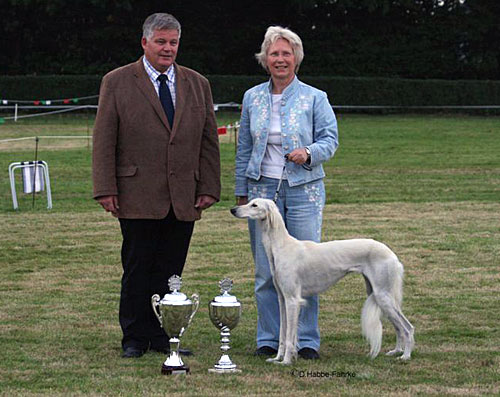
(298, 156)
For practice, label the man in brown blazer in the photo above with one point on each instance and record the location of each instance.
(156, 166)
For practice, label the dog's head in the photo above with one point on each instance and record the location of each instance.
(258, 209)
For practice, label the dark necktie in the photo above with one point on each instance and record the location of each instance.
(166, 99)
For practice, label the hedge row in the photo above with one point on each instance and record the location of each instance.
(341, 90)
(49, 87)
(377, 91)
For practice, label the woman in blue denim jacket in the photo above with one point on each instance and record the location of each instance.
(284, 117)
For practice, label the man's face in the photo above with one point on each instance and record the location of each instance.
(161, 49)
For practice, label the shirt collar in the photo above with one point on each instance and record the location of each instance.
(153, 73)
(288, 91)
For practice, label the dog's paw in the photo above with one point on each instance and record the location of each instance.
(273, 359)
(282, 362)
(394, 352)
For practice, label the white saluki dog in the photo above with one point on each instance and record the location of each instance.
(304, 268)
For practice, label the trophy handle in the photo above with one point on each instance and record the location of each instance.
(196, 301)
(155, 302)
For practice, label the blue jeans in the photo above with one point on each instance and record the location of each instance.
(302, 210)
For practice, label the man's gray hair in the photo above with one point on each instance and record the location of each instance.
(160, 21)
(274, 33)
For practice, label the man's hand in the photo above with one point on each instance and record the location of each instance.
(204, 201)
(109, 203)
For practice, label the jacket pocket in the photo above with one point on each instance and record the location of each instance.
(126, 170)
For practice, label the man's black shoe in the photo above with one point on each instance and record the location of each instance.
(164, 350)
(308, 354)
(132, 352)
(265, 351)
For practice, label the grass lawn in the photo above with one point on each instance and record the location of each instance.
(427, 185)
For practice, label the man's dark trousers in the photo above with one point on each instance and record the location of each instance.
(152, 251)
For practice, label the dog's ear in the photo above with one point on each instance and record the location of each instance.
(272, 214)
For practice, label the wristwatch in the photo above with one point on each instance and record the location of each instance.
(308, 152)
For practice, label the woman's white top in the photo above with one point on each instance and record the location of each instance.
(273, 161)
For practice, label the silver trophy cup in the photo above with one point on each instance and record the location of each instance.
(225, 313)
(175, 312)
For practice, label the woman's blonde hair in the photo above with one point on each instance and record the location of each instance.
(274, 33)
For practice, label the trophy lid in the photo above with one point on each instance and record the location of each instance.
(175, 297)
(225, 286)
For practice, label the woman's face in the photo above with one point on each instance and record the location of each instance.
(281, 61)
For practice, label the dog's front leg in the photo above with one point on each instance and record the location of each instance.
(283, 323)
(292, 321)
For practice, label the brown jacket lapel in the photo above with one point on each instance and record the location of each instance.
(146, 86)
(182, 94)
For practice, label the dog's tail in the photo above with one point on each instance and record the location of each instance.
(371, 325)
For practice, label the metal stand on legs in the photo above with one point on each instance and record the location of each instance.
(35, 179)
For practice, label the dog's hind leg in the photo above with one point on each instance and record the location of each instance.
(409, 341)
(404, 329)
(404, 332)
(399, 344)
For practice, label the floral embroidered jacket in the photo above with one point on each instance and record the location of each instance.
(307, 119)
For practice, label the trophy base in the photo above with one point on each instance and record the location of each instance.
(171, 370)
(224, 371)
